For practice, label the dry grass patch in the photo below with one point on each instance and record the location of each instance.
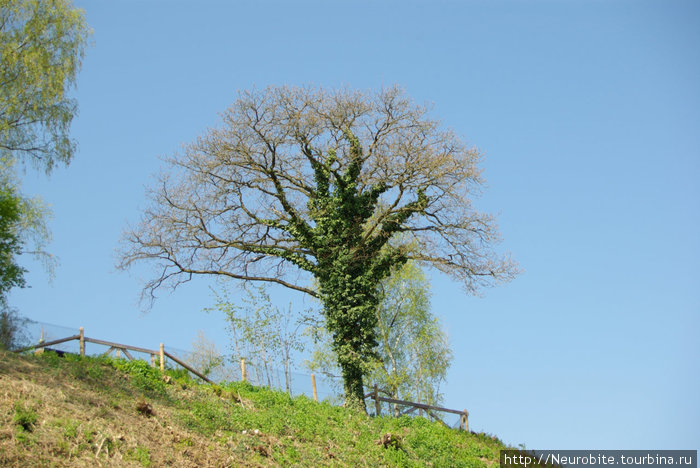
(80, 422)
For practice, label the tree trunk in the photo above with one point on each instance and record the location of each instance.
(353, 385)
(349, 295)
(354, 342)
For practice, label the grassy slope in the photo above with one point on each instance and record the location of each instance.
(84, 412)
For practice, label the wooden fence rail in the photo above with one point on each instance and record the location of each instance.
(464, 415)
(48, 343)
(118, 347)
(187, 367)
(152, 352)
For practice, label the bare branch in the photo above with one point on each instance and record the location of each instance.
(249, 200)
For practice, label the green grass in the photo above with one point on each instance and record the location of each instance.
(141, 455)
(89, 409)
(25, 418)
(295, 429)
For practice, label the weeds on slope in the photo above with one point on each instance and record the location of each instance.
(72, 411)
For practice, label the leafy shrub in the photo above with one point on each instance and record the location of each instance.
(51, 358)
(243, 387)
(181, 376)
(85, 367)
(143, 376)
(24, 418)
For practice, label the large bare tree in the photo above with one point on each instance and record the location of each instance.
(303, 184)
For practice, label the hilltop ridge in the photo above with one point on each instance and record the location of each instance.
(80, 412)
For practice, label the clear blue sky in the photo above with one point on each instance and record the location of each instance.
(588, 113)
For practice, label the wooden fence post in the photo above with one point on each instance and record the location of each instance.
(118, 353)
(82, 341)
(162, 358)
(313, 384)
(153, 360)
(243, 376)
(377, 403)
(41, 341)
(464, 421)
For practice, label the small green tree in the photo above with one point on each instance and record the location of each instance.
(413, 348)
(262, 333)
(205, 355)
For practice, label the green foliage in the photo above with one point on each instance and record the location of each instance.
(180, 376)
(41, 48)
(339, 185)
(322, 359)
(69, 427)
(12, 328)
(25, 418)
(348, 266)
(51, 358)
(80, 367)
(252, 424)
(264, 335)
(22, 221)
(205, 418)
(414, 350)
(11, 209)
(296, 424)
(143, 376)
(205, 356)
(184, 443)
(22, 224)
(140, 455)
(413, 353)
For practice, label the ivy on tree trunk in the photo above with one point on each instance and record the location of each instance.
(340, 186)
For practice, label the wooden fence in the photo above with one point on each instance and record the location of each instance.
(161, 355)
(118, 348)
(429, 409)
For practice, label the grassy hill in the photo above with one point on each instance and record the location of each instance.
(72, 411)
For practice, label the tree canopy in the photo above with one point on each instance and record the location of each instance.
(41, 48)
(337, 186)
(23, 230)
(11, 274)
(22, 223)
(414, 352)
